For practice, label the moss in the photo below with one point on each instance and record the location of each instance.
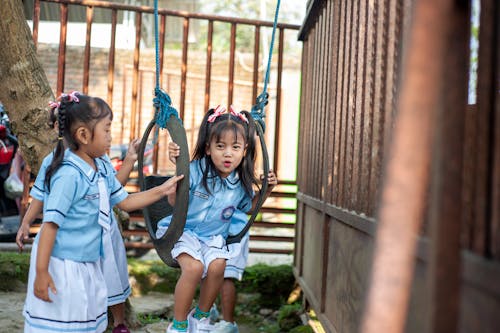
(273, 283)
(14, 268)
(289, 316)
(153, 275)
(302, 329)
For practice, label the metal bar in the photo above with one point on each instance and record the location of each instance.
(161, 37)
(351, 108)
(334, 106)
(208, 68)
(407, 175)
(61, 60)
(135, 77)
(232, 48)
(356, 200)
(185, 40)
(138, 134)
(444, 274)
(256, 57)
(176, 13)
(495, 167)
(485, 99)
(36, 21)
(86, 58)
(111, 61)
(124, 100)
(277, 121)
(368, 111)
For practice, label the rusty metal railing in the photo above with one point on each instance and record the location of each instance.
(128, 99)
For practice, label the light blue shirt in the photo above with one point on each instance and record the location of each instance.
(219, 212)
(73, 204)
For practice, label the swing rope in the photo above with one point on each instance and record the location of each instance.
(161, 101)
(261, 101)
(165, 117)
(258, 115)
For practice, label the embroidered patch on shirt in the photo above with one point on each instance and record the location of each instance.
(227, 213)
(200, 195)
(92, 196)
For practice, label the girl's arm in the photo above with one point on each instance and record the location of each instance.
(43, 280)
(142, 199)
(272, 181)
(128, 162)
(34, 209)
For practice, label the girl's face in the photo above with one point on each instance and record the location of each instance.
(101, 141)
(227, 152)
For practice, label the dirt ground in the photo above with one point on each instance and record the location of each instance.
(12, 320)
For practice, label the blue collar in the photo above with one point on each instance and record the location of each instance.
(85, 169)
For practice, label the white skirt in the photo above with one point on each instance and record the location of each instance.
(80, 304)
(114, 265)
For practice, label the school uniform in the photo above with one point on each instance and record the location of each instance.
(210, 216)
(114, 263)
(78, 201)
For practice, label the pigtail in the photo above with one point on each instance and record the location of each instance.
(59, 152)
(246, 170)
(201, 146)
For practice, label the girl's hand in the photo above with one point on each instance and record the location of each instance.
(22, 235)
(133, 147)
(170, 186)
(173, 152)
(43, 282)
(272, 180)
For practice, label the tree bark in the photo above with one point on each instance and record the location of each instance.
(24, 88)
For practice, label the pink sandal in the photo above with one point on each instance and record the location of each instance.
(121, 329)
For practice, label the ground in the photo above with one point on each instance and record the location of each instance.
(12, 320)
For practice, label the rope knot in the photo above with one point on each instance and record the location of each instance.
(164, 109)
(258, 109)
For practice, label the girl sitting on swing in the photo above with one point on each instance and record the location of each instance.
(220, 196)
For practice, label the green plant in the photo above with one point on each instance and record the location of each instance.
(273, 283)
(14, 268)
(153, 275)
(289, 316)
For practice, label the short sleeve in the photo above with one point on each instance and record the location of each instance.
(38, 188)
(58, 201)
(117, 191)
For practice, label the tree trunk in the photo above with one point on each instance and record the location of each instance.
(24, 88)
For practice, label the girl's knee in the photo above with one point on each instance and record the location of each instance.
(192, 267)
(217, 266)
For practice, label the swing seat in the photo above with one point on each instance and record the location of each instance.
(160, 209)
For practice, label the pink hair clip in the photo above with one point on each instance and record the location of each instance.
(238, 114)
(54, 105)
(72, 96)
(220, 110)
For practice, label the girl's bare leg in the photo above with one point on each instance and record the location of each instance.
(191, 272)
(211, 284)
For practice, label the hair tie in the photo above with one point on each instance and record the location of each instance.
(220, 110)
(59, 138)
(72, 96)
(54, 105)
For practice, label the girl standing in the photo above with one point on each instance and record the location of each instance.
(221, 194)
(114, 263)
(66, 286)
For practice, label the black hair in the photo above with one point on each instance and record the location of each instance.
(228, 122)
(75, 110)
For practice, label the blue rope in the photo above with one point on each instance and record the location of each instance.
(161, 101)
(261, 101)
